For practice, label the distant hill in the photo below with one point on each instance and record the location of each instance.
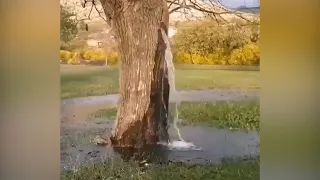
(253, 10)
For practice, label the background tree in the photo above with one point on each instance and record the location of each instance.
(68, 25)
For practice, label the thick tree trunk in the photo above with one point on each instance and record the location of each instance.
(144, 88)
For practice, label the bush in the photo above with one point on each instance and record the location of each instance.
(87, 55)
(65, 56)
(248, 55)
(95, 57)
(212, 59)
(113, 58)
(207, 43)
(75, 60)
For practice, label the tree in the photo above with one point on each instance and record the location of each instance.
(68, 25)
(144, 88)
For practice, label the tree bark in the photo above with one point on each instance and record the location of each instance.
(144, 88)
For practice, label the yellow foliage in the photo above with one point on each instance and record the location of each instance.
(88, 55)
(100, 56)
(65, 55)
(113, 58)
(207, 43)
(182, 57)
(93, 56)
(248, 55)
(196, 58)
(75, 60)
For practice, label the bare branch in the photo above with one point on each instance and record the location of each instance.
(211, 8)
(174, 9)
(99, 12)
(93, 5)
(171, 2)
(90, 11)
(188, 8)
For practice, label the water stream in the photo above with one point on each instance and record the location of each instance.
(181, 143)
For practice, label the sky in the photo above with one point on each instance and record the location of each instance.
(237, 3)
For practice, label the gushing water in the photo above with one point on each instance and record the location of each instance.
(181, 143)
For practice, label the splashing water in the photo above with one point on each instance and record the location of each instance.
(181, 143)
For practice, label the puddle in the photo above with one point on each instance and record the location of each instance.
(215, 144)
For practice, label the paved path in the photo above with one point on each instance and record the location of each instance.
(189, 96)
(79, 108)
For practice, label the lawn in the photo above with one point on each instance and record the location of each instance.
(82, 81)
(232, 116)
(239, 169)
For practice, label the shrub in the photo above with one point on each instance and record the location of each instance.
(75, 60)
(113, 58)
(207, 43)
(65, 56)
(207, 38)
(88, 54)
(100, 57)
(212, 59)
(95, 57)
(183, 57)
(81, 53)
(248, 55)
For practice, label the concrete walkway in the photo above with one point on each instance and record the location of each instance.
(187, 96)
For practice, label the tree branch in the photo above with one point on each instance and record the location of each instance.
(93, 5)
(214, 9)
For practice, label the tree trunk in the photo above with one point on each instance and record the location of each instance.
(144, 88)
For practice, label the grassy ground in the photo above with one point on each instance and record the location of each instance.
(244, 115)
(233, 116)
(81, 81)
(229, 170)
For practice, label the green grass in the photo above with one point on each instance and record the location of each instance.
(248, 169)
(233, 116)
(217, 67)
(88, 82)
(82, 81)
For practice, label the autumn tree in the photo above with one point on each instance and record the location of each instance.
(144, 88)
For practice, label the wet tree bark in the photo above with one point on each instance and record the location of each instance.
(144, 88)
